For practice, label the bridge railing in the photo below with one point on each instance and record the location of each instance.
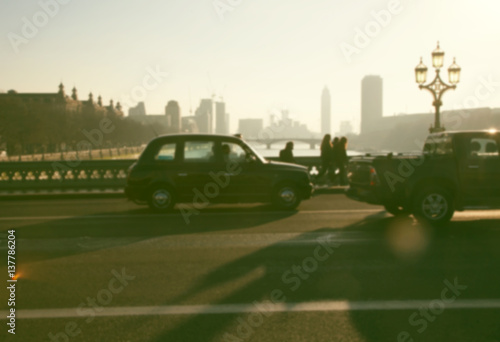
(91, 175)
(92, 154)
(61, 176)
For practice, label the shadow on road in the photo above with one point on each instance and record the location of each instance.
(396, 259)
(82, 234)
(379, 258)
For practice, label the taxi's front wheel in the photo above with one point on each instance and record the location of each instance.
(286, 196)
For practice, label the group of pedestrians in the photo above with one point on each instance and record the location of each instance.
(333, 160)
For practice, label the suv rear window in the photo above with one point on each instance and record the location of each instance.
(439, 145)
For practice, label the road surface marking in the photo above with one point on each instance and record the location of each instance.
(457, 217)
(37, 218)
(216, 241)
(258, 307)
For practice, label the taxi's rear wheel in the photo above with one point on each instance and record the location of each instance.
(161, 198)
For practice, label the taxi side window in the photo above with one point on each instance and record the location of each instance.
(233, 152)
(166, 152)
(199, 151)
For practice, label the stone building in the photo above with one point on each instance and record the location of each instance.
(62, 101)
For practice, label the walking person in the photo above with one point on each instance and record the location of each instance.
(332, 173)
(342, 160)
(286, 155)
(326, 155)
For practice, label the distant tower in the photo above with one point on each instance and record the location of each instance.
(326, 112)
(173, 113)
(221, 118)
(74, 94)
(371, 102)
(204, 115)
(61, 89)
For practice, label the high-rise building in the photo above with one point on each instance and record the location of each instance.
(204, 115)
(138, 110)
(326, 112)
(221, 118)
(173, 113)
(371, 102)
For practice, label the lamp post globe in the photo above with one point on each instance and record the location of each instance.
(421, 72)
(454, 73)
(437, 57)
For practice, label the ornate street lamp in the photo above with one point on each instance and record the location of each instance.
(437, 87)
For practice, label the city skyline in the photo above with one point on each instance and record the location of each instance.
(256, 68)
(213, 118)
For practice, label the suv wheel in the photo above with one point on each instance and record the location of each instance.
(434, 206)
(286, 196)
(162, 198)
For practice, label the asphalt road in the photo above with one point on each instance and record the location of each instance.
(334, 270)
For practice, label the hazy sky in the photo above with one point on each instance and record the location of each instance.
(260, 55)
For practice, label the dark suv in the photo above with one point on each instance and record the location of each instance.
(456, 171)
(205, 168)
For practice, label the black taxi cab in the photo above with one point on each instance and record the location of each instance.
(205, 168)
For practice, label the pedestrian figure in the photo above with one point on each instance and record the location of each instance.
(332, 173)
(286, 155)
(326, 155)
(341, 159)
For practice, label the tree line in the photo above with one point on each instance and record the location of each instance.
(26, 128)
